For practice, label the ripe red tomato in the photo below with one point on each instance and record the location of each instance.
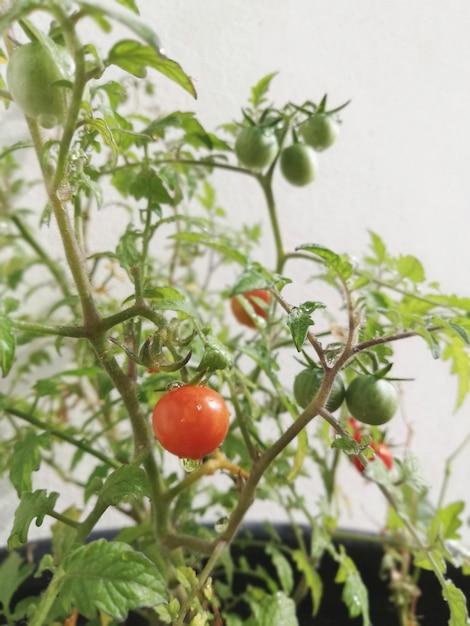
(252, 297)
(381, 451)
(190, 421)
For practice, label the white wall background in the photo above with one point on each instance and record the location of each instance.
(400, 166)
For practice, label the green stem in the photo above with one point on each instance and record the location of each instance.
(47, 599)
(45, 329)
(266, 185)
(203, 576)
(62, 435)
(52, 266)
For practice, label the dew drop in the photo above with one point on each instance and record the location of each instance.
(190, 465)
(221, 524)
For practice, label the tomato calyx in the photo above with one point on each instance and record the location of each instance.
(378, 448)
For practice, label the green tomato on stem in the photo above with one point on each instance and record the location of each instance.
(256, 148)
(32, 77)
(372, 400)
(319, 131)
(299, 164)
(308, 382)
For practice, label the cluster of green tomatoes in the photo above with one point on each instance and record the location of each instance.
(257, 147)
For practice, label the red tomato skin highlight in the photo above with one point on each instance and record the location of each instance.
(190, 421)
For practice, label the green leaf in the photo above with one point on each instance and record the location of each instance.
(127, 481)
(26, 459)
(283, 568)
(410, 267)
(13, 571)
(457, 604)
(339, 264)
(208, 242)
(135, 58)
(447, 521)
(150, 186)
(312, 578)
(277, 610)
(19, 9)
(111, 577)
(251, 279)
(259, 91)
(129, 4)
(7, 345)
(106, 134)
(354, 591)
(32, 505)
(378, 248)
(455, 351)
(299, 323)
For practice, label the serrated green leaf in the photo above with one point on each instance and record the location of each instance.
(283, 568)
(447, 520)
(208, 242)
(277, 610)
(7, 345)
(259, 91)
(354, 594)
(135, 58)
(378, 247)
(35, 505)
(455, 352)
(126, 481)
(147, 184)
(93, 123)
(410, 267)
(457, 604)
(13, 571)
(26, 459)
(431, 341)
(111, 577)
(312, 578)
(299, 322)
(176, 304)
(339, 264)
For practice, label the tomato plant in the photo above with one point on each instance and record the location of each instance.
(372, 400)
(191, 421)
(298, 164)
(308, 382)
(255, 147)
(255, 299)
(31, 76)
(319, 131)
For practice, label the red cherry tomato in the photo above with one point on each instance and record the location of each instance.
(381, 451)
(252, 296)
(190, 421)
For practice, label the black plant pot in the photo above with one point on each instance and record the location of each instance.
(431, 609)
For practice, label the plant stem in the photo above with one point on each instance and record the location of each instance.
(266, 185)
(52, 266)
(76, 332)
(62, 435)
(47, 599)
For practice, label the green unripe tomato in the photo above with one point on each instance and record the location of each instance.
(31, 74)
(255, 147)
(308, 382)
(298, 164)
(372, 400)
(319, 131)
